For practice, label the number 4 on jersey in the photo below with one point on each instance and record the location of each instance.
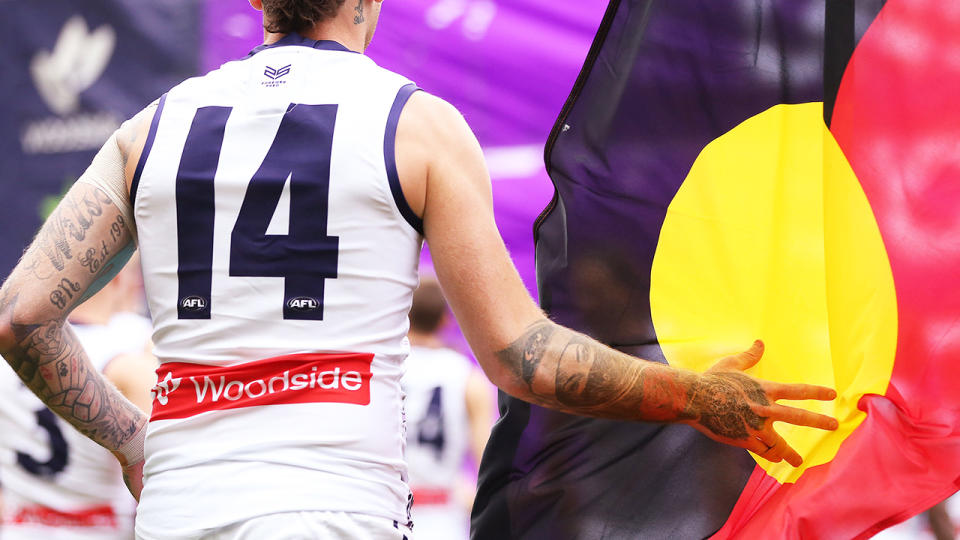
(305, 256)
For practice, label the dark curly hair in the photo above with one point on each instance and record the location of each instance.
(286, 16)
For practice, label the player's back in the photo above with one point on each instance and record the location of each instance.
(279, 261)
(58, 484)
(437, 440)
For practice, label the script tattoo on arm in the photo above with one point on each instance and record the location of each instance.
(68, 224)
(64, 293)
(72, 251)
(564, 370)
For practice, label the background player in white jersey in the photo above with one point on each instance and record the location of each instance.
(449, 415)
(279, 204)
(58, 484)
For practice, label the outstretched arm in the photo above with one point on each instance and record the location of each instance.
(80, 247)
(534, 359)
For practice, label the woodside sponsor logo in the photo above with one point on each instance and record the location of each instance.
(189, 389)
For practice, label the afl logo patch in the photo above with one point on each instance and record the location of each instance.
(193, 303)
(303, 303)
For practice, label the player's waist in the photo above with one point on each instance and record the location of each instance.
(314, 411)
(184, 389)
(289, 488)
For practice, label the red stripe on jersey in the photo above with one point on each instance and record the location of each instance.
(185, 390)
(430, 496)
(98, 516)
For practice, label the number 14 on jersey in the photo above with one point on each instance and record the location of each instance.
(305, 257)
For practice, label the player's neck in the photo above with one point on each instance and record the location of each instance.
(420, 339)
(339, 29)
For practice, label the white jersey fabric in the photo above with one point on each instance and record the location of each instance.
(279, 263)
(437, 440)
(57, 483)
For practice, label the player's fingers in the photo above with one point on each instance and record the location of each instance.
(799, 391)
(778, 448)
(761, 448)
(788, 453)
(743, 361)
(801, 417)
(774, 449)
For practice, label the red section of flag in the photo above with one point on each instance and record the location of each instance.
(185, 390)
(897, 119)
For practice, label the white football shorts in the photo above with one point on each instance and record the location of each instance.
(306, 526)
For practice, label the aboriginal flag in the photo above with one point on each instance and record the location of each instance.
(779, 169)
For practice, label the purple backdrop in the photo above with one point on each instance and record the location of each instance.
(507, 65)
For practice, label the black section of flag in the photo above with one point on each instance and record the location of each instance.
(839, 38)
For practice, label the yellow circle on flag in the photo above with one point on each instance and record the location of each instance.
(771, 237)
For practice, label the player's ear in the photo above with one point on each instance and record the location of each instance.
(257, 4)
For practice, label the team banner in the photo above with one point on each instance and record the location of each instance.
(780, 170)
(72, 72)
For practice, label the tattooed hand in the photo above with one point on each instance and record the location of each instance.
(734, 408)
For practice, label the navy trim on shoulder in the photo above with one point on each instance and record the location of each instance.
(297, 39)
(390, 157)
(147, 145)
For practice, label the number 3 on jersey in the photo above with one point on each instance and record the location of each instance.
(305, 257)
(59, 451)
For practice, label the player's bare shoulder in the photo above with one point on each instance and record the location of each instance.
(434, 123)
(434, 143)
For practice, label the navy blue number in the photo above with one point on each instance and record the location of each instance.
(306, 255)
(194, 193)
(430, 427)
(59, 452)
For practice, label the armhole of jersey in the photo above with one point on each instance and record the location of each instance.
(147, 145)
(390, 157)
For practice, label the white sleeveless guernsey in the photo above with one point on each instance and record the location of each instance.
(279, 263)
(57, 483)
(438, 432)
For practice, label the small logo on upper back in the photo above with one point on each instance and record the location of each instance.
(274, 74)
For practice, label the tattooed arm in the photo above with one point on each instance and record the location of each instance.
(80, 247)
(445, 180)
(555, 367)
